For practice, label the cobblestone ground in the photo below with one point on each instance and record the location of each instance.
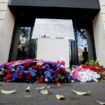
(34, 97)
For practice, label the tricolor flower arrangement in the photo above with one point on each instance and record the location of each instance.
(30, 70)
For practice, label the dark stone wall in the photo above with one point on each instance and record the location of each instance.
(89, 4)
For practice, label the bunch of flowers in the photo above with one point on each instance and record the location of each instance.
(85, 73)
(30, 70)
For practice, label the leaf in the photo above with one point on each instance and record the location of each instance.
(45, 92)
(81, 92)
(60, 97)
(100, 102)
(28, 89)
(8, 91)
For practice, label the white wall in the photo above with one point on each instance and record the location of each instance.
(3, 8)
(6, 29)
(102, 12)
(99, 33)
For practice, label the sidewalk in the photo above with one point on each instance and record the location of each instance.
(35, 98)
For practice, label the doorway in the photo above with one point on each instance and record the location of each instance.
(23, 35)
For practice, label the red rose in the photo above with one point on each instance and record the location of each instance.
(56, 73)
(8, 77)
(34, 67)
(19, 76)
(41, 79)
(39, 67)
(26, 65)
(28, 76)
(64, 71)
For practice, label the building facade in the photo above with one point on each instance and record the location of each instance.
(17, 18)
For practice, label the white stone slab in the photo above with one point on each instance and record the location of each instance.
(53, 28)
(53, 50)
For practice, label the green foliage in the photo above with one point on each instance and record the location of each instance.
(93, 63)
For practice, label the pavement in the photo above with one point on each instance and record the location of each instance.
(34, 97)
